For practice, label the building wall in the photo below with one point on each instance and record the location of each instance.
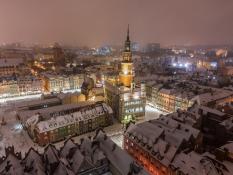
(112, 99)
(124, 110)
(132, 109)
(166, 102)
(8, 70)
(144, 158)
(59, 83)
(72, 129)
(27, 86)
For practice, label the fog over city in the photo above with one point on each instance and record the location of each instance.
(93, 23)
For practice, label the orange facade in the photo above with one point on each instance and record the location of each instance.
(126, 80)
(145, 158)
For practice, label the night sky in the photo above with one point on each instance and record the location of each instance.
(97, 22)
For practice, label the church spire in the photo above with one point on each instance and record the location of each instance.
(127, 41)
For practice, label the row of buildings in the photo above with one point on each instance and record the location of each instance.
(172, 95)
(58, 83)
(16, 80)
(184, 142)
(98, 155)
(10, 66)
(54, 121)
(16, 86)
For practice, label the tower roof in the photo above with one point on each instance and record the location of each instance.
(128, 34)
(127, 41)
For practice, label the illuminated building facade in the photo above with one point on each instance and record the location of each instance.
(168, 100)
(155, 144)
(57, 83)
(10, 66)
(18, 86)
(126, 72)
(126, 99)
(173, 95)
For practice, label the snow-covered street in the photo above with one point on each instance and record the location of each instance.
(152, 113)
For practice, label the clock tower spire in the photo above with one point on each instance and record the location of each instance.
(126, 74)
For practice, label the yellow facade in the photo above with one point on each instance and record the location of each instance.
(126, 74)
(126, 80)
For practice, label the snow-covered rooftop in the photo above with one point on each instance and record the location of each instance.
(68, 119)
(196, 164)
(10, 62)
(88, 156)
(47, 112)
(164, 135)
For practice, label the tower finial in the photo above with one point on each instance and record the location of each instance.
(128, 33)
(127, 41)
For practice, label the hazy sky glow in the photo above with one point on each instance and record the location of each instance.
(95, 22)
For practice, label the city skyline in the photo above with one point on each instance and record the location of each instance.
(103, 22)
(124, 87)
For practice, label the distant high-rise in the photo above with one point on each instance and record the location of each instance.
(58, 55)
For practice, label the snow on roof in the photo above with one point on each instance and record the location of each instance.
(185, 117)
(69, 144)
(61, 76)
(108, 108)
(176, 127)
(165, 91)
(188, 163)
(196, 164)
(34, 160)
(51, 154)
(10, 62)
(11, 166)
(63, 169)
(149, 131)
(165, 135)
(72, 159)
(31, 103)
(228, 146)
(58, 122)
(117, 157)
(46, 112)
(151, 135)
(228, 123)
(68, 119)
(77, 160)
(212, 111)
(32, 120)
(218, 94)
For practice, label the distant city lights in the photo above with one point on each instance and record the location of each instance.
(213, 64)
(181, 65)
